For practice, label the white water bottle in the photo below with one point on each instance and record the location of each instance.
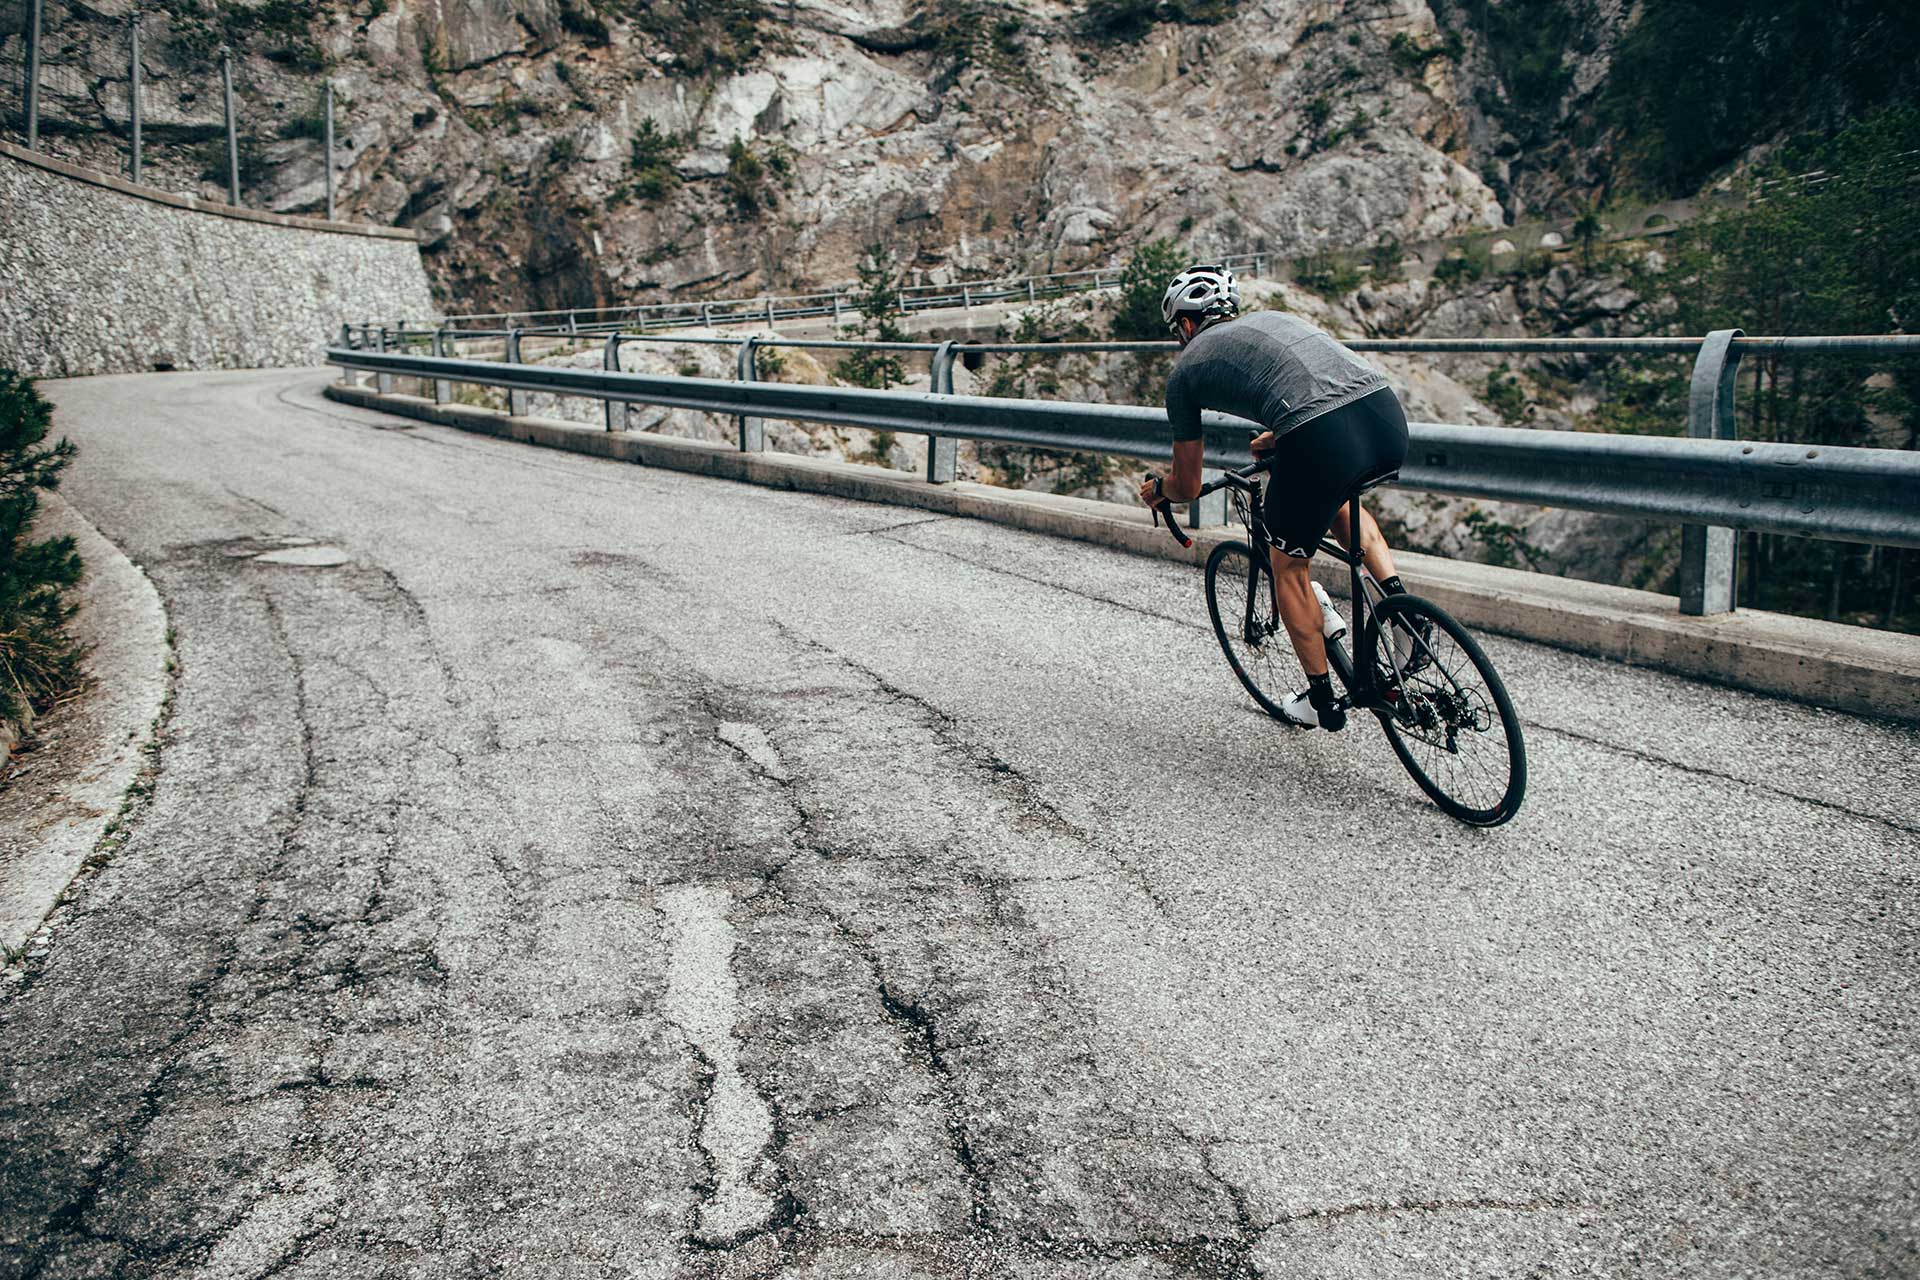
(1332, 625)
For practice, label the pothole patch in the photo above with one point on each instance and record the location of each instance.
(316, 556)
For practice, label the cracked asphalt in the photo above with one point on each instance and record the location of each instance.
(614, 872)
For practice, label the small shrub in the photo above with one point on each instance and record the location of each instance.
(1412, 57)
(38, 660)
(746, 178)
(1504, 544)
(1383, 260)
(1464, 267)
(655, 152)
(1331, 275)
(1505, 396)
(1142, 284)
(581, 20)
(878, 299)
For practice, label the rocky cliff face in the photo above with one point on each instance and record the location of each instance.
(573, 152)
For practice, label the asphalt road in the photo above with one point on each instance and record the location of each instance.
(616, 872)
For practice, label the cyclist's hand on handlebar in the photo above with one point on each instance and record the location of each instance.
(1150, 491)
(1262, 443)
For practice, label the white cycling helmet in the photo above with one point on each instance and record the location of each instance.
(1207, 292)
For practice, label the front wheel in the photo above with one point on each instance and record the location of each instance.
(1240, 598)
(1446, 712)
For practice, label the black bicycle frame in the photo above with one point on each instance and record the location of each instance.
(1362, 690)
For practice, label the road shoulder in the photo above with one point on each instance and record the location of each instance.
(66, 787)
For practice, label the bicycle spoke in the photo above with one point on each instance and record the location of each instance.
(1446, 719)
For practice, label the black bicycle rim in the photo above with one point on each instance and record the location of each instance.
(1268, 669)
(1449, 719)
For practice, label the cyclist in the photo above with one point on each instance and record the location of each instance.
(1330, 421)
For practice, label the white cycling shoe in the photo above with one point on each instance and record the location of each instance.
(1299, 711)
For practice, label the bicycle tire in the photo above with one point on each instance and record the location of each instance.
(1425, 712)
(1267, 669)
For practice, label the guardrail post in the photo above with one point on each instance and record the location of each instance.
(33, 75)
(769, 313)
(1211, 509)
(328, 129)
(753, 431)
(706, 315)
(836, 311)
(233, 133)
(133, 93)
(383, 382)
(616, 409)
(347, 376)
(966, 297)
(516, 399)
(943, 452)
(442, 388)
(1708, 554)
(1029, 288)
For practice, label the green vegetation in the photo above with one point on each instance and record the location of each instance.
(1037, 375)
(1502, 543)
(1694, 83)
(1587, 229)
(1528, 45)
(966, 34)
(39, 662)
(753, 178)
(878, 299)
(1132, 19)
(1412, 57)
(578, 17)
(1329, 274)
(1143, 283)
(1384, 259)
(1838, 256)
(281, 30)
(1471, 263)
(706, 37)
(655, 153)
(1505, 396)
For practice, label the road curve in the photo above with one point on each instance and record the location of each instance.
(606, 871)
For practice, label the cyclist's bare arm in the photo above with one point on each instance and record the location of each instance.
(1182, 484)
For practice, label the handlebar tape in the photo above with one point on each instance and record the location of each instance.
(1173, 526)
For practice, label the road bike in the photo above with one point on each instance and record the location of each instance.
(1438, 698)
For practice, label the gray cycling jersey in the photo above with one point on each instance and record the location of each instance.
(1268, 367)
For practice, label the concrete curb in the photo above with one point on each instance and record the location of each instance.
(124, 626)
(1852, 669)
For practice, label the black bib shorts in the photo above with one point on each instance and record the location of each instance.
(1318, 464)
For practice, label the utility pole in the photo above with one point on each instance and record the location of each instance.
(33, 75)
(233, 138)
(133, 90)
(329, 127)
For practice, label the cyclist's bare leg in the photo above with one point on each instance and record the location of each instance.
(1299, 610)
(1378, 557)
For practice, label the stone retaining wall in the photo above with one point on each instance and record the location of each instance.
(98, 275)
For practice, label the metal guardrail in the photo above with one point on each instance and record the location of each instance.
(1843, 493)
(835, 302)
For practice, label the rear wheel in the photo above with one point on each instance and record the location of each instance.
(1240, 599)
(1446, 712)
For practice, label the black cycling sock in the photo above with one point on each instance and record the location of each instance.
(1392, 586)
(1320, 696)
